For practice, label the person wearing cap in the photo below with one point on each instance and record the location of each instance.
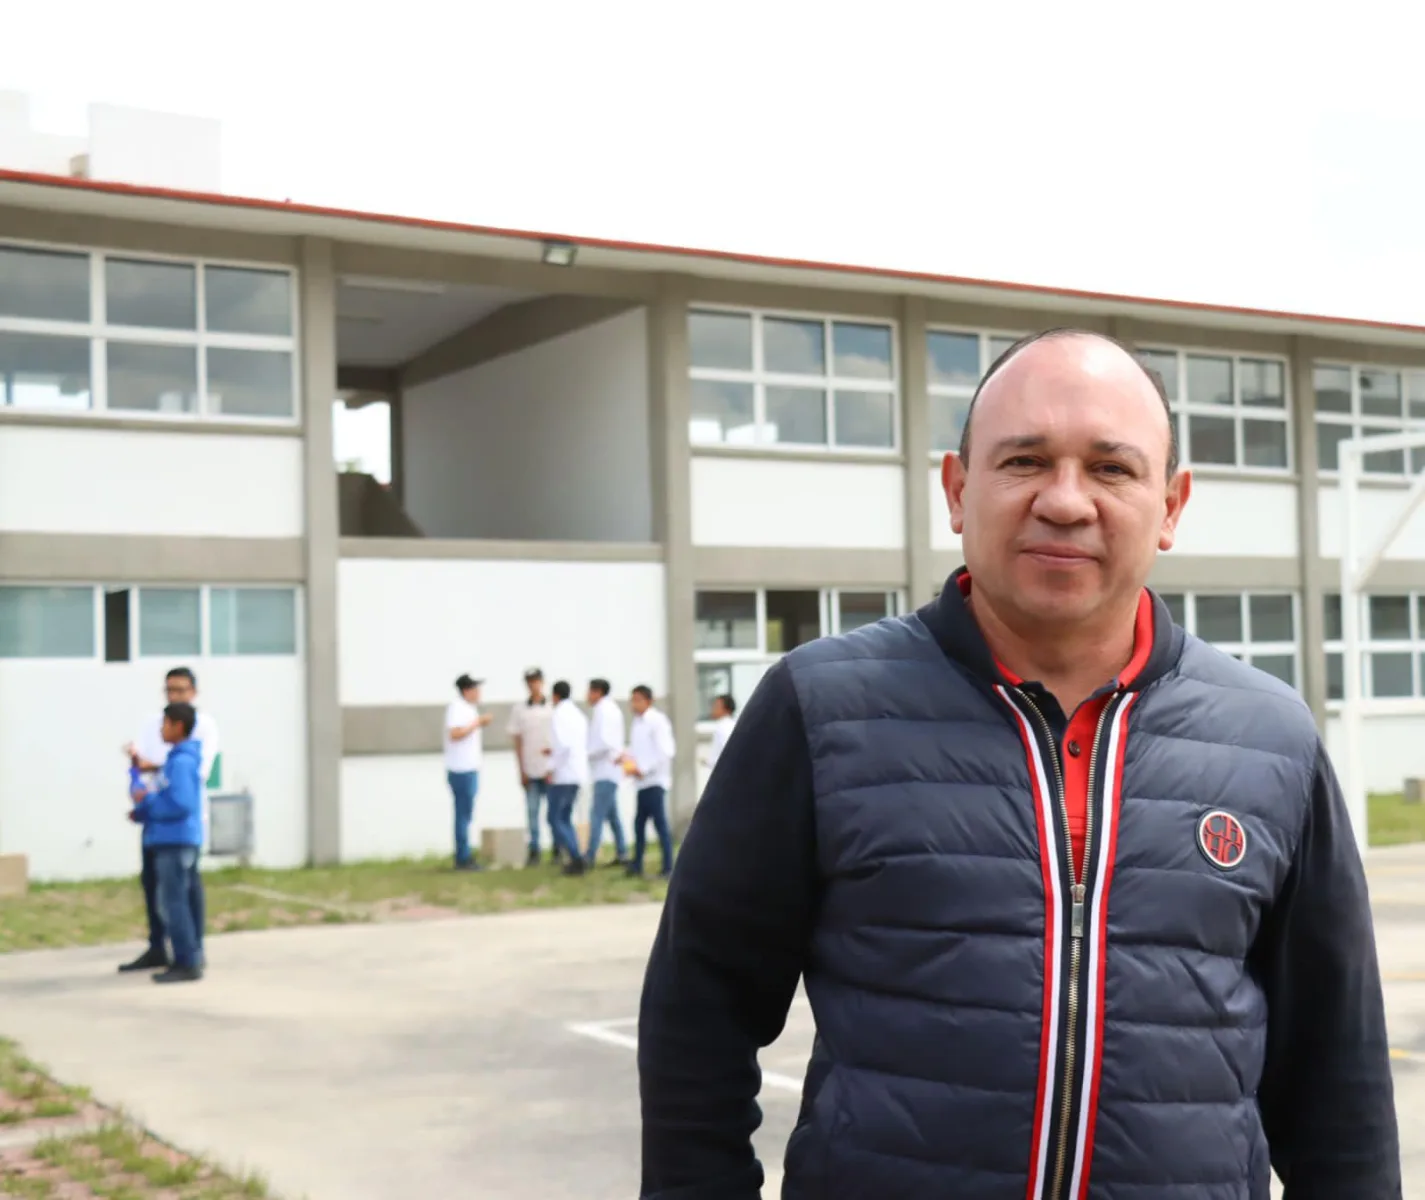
(529, 731)
(464, 748)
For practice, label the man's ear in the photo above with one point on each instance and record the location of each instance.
(1179, 489)
(952, 480)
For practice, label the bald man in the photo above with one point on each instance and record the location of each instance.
(1074, 895)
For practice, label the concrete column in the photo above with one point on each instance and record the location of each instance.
(319, 389)
(1308, 526)
(915, 440)
(672, 463)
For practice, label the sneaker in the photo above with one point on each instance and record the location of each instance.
(472, 865)
(149, 960)
(575, 867)
(532, 859)
(179, 975)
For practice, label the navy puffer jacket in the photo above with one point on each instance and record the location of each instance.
(1199, 1002)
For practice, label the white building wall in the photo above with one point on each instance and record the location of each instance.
(89, 479)
(1379, 508)
(398, 805)
(773, 502)
(64, 778)
(1392, 747)
(410, 626)
(1224, 518)
(547, 443)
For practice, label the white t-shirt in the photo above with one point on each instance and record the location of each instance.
(606, 741)
(464, 755)
(722, 730)
(152, 748)
(568, 761)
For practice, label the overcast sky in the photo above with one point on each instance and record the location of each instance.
(1247, 153)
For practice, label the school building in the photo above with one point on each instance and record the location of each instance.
(656, 465)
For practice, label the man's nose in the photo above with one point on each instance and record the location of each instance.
(1065, 498)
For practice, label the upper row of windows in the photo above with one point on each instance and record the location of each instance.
(92, 331)
(763, 379)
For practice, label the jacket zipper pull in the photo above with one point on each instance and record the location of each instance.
(1076, 923)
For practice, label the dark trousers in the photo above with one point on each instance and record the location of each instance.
(197, 905)
(175, 868)
(652, 807)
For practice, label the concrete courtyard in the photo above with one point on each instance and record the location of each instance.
(487, 1056)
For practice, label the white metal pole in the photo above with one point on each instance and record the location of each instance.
(1353, 777)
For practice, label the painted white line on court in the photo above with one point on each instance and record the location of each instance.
(602, 1031)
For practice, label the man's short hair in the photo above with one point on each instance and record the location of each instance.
(533, 673)
(1065, 331)
(185, 714)
(561, 689)
(465, 682)
(728, 703)
(183, 673)
(645, 691)
(602, 686)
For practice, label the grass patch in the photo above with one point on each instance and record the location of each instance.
(27, 1092)
(1393, 822)
(111, 910)
(121, 1162)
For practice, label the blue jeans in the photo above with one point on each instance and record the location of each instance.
(463, 786)
(535, 791)
(157, 934)
(651, 807)
(174, 868)
(605, 809)
(561, 817)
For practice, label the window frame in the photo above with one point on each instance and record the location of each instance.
(1356, 422)
(829, 604)
(953, 391)
(136, 655)
(1414, 645)
(1249, 647)
(1183, 409)
(99, 334)
(760, 379)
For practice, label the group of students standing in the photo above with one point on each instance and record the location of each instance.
(559, 750)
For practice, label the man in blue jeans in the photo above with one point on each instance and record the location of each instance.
(464, 748)
(605, 755)
(650, 761)
(171, 814)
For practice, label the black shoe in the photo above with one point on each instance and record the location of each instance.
(179, 975)
(472, 865)
(149, 960)
(633, 872)
(576, 867)
(620, 863)
(532, 859)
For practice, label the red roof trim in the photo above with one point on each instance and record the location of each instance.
(313, 210)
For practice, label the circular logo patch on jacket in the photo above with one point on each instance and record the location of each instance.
(1221, 839)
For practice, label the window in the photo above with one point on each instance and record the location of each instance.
(763, 379)
(739, 634)
(47, 622)
(1257, 627)
(956, 362)
(1231, 409)
(1356, 401)
(90, 331)
(251, 621)
(119, 624)
(1392, 632)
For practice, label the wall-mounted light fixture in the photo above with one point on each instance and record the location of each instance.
(559, 254)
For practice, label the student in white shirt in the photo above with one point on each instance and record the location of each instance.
(529, 730)
(464, 744)
(568, 769)
(650, 760)
(605, 754)
(148, 752)
(722, 709)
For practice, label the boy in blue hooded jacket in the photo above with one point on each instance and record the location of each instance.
(172, 820)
